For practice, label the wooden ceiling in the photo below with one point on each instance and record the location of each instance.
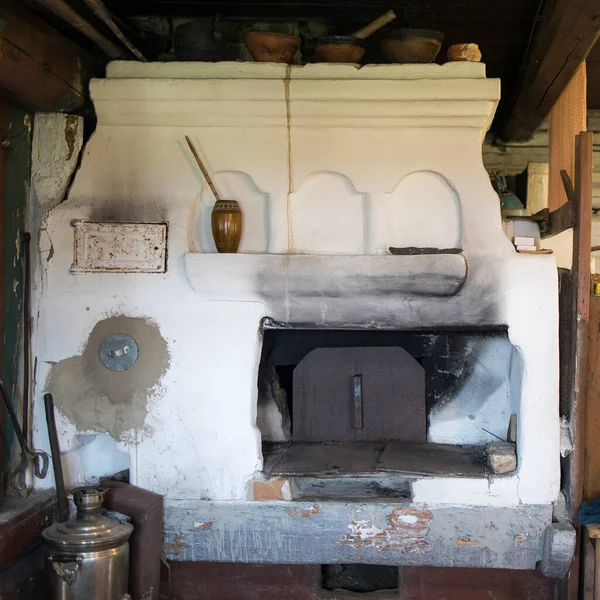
(593, 77)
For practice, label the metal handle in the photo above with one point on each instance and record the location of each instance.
(67, 570)
(358, 403)
(120, 352)
(13, 417)
(41, 461)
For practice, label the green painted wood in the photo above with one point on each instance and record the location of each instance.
(16, 188)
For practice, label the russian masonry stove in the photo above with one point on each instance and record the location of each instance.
(324, 401)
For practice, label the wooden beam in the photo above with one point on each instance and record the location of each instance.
(561, 40)
(568, 117)
(580, 302)
(591, 472)
(39, 68)
(581, 272)
(5, 113)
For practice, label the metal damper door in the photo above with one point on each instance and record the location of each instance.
(371, 394)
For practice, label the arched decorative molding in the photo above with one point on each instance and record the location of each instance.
(327, 215)
(255, 205)
(424, 211)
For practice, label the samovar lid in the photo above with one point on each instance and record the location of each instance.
(91, 528)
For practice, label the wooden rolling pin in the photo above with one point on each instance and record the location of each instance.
(377, 24)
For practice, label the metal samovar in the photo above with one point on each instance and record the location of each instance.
(88, 556)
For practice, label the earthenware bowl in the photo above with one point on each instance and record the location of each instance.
(411, 45)
(269, 46)
(339, 49)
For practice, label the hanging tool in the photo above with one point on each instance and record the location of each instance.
(61, 496)
(29, 457)
(100, 10)
(26, 334)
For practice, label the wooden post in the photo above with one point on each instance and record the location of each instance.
(581, 272)
(5, 111)
(591, 470)
(567, 119)
(581, 275)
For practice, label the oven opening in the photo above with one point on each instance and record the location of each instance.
(359, 578)
(370, 404)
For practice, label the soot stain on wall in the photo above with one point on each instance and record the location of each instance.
(94, 398)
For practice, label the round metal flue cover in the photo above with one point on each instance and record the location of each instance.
(119, 352)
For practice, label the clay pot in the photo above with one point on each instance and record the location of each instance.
(226, 220)
(468, 52)
(411, 45)
(339, 49)
(269, 46)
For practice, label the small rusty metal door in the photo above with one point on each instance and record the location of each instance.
(359, 394)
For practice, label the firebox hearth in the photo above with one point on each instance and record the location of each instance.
(362, 403)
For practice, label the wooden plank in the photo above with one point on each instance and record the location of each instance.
(567, 118)
(224, 581)
(441, 460)
(582, 244)
(346, 459)
(329, 459)
(566, 32)
(5, 112)
(16, 191)
(192, 580)
(591, 471)
(22, 522)
(593, 72)
(588, 558)
(39, 68)
(426, 583)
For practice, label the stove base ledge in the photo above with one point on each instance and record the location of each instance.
(385, 533)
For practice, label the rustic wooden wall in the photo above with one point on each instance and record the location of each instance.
(220, 581)
(567, 118)
(591, 474)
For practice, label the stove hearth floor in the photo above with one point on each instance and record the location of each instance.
(365, 459)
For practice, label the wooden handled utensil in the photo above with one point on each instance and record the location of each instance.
(211, 185)
(377, 24)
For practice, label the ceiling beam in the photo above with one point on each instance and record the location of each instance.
(561, 40)
(39, 68)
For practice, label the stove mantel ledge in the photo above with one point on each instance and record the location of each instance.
(237, 277)
(404, 534)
